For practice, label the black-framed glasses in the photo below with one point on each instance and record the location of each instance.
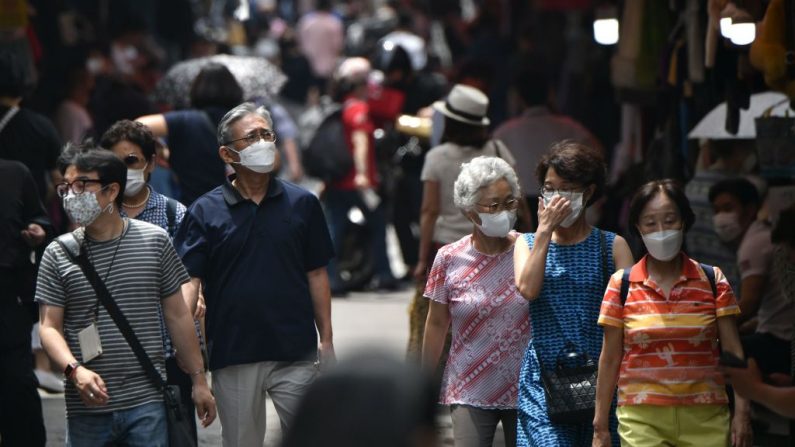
(253, 137)
(509, 205)
(78, 186)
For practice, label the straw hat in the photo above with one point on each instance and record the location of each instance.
(466, 104)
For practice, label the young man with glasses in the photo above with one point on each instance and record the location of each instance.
(258, 246)
(109, 397)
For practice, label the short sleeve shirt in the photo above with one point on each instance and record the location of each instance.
(356, 117)
(253, 261)
(490, 325)
(139, 269)
(670, 344)
(442, 165)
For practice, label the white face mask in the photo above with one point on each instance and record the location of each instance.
(497, 224)
(259, 157)
(575, 203)
(727, 226)
(663, 245)
(136, 180)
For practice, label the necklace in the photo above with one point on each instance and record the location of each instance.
(138, 205)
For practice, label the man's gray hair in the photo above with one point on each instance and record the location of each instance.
(245, 109)
(479, 173)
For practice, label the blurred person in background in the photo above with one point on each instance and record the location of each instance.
(71, 116)
(562, 270)
(320, 35)
(666, 320)
(767, 314)
(368, 400)
(441, 221)
(530, 135)
(24, 227)
(192, 146)
(359, 187)
(471, 287)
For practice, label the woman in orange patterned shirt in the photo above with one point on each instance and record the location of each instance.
(661, 340)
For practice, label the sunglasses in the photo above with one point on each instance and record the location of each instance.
(132, 160)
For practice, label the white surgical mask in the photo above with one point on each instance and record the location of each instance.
(259, 157)
(727, 226)
(575, 203)
(497, 224)
(136, 180)
(83, 208)
(663, 245)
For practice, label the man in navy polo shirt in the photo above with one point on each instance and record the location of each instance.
(259, 246)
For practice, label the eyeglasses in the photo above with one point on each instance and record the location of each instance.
(253, 137)
(508, 205)
(78, 186)
(565, 193)
(131, 160)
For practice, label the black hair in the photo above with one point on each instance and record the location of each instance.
(464, 134)
(784, 230)
(575, 163)
(133, 132)
(215, 86)
(673, 190)
(88, 158)
(739, 188)
(533, 87)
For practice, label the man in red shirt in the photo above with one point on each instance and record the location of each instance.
(358, 187)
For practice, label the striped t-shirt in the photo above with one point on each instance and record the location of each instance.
(145, 270)
(670, 345)
(490, 325)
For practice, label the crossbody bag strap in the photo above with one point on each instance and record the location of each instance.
(7, 117)
(81, 259)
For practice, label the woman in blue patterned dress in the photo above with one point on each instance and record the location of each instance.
(561, 270)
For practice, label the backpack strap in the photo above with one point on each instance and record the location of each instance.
(171, 215)
(625, 285)
(710, 273)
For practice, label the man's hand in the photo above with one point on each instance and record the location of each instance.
(326, 355)
(742, 434)
(33, 235)
(744, 380)
(91, 387)
(204, 401)
(361, 181)
(201, 307)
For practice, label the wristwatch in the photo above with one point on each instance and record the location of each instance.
(70, 369)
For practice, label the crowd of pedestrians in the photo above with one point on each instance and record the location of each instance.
(223, 255)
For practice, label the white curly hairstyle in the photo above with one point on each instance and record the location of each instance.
(479, 173)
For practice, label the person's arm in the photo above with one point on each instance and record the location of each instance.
(436, 326)
(180, 326)
(361, 145)
(622, 255)
(293, 158)
(190, 293)
(321, 304)
(748, 383)
(751, 290)
(742, 435)
(156, 123)
(89, 384)
(609, 363)
(530, 264)
(429, 212)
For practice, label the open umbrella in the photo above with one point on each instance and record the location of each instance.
(713, 125)
(256, 76)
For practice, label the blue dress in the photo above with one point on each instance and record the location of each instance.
(566, 310)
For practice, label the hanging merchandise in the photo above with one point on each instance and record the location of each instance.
(773, 51)
(775, 145)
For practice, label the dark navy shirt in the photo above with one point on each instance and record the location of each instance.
(253, 261)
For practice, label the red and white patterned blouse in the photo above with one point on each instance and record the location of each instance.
(490, 325)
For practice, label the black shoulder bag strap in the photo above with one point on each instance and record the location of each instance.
(72, 248)
(171, 215)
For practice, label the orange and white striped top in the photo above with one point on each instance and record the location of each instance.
(670, 345)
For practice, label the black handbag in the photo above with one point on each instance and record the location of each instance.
(180, 430)
(570, 387)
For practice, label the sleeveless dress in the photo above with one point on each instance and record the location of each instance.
(567, 309)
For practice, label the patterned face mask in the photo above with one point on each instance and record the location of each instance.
(84, 208)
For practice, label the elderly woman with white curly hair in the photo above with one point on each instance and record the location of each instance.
(471, 286)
